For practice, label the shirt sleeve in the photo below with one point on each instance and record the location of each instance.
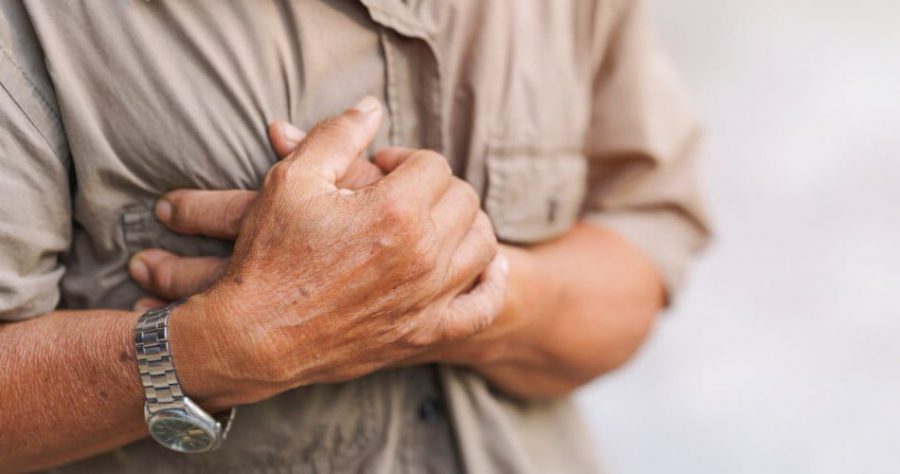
(35, 210)
(642, 150)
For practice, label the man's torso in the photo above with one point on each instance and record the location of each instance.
(161, 95)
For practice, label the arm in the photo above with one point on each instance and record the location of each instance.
(580, 305)
(67, 377)
(577, 307)
(72, 377)
(71, 388)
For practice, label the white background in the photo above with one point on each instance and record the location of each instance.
(783, 354)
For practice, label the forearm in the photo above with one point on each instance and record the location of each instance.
(70, 387)
(579, 306)
(69, 384)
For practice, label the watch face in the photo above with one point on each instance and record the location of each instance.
(179, 432)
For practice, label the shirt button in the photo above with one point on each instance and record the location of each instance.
(431, 409)
(552, 208)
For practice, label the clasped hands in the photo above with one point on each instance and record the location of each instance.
(340, 267)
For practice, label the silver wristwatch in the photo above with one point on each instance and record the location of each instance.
(173, 419)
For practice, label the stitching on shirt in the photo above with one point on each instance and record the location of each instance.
(48, 107)
(392, 94)
(43, 101)
(398, 23)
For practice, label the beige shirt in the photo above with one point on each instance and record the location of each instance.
(554, 111)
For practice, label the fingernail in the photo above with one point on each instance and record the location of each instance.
(503, 264)
(367, 104)
(163, 210)
(138, 269)
(153, 256)
(291, 134)
(142, 307)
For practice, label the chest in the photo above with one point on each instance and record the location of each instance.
(162, 94)
(180, 93)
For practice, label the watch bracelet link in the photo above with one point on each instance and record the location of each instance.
(162, 390)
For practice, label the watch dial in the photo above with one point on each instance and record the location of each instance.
(180, 434)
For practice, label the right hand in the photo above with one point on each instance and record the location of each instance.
(327, 285)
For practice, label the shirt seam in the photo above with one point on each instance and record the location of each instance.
(392, 95)
(397, 23)
(45, 105)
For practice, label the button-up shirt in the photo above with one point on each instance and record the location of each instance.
(555, 111)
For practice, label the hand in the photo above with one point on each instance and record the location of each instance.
(170, 277)
(218, 213)
(327, 285)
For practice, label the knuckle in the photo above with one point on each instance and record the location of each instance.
(277, 175)
(282, 173)
(234, 209)
(467, 194)
(422, 337)
(485, 229)
(484, 244)
(161, 278)
(424, 254)
(434, 161)
(421, 340)
(397, 210)
(472, 323)
(479, 320)
(182, 211)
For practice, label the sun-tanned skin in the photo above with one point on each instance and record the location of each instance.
(402, 256)
(394, 287)
(576, 307)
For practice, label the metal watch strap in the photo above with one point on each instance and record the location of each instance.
(161, 388)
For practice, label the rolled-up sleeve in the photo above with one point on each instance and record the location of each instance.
(35, 211)
(643, 149)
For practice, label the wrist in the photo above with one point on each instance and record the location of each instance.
(201, 356)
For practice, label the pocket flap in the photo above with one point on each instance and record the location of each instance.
(533, 194)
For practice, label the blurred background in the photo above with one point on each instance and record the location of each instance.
(783, 353)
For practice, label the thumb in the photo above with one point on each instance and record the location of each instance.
(331, 146)
(285, 137)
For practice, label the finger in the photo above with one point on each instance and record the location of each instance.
(389, 158)
(199, 212)
(477, 249)
(361, 173)
(172, 277)
(285, 137)
(455, 213)
(421, 176)
(331, 146)
(146, 304)
(472, 312)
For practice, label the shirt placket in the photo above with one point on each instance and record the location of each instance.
(414, 98)
(413, 82)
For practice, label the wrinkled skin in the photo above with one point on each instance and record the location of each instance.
(326, 285)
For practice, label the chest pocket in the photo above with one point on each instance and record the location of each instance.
(534, 194)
